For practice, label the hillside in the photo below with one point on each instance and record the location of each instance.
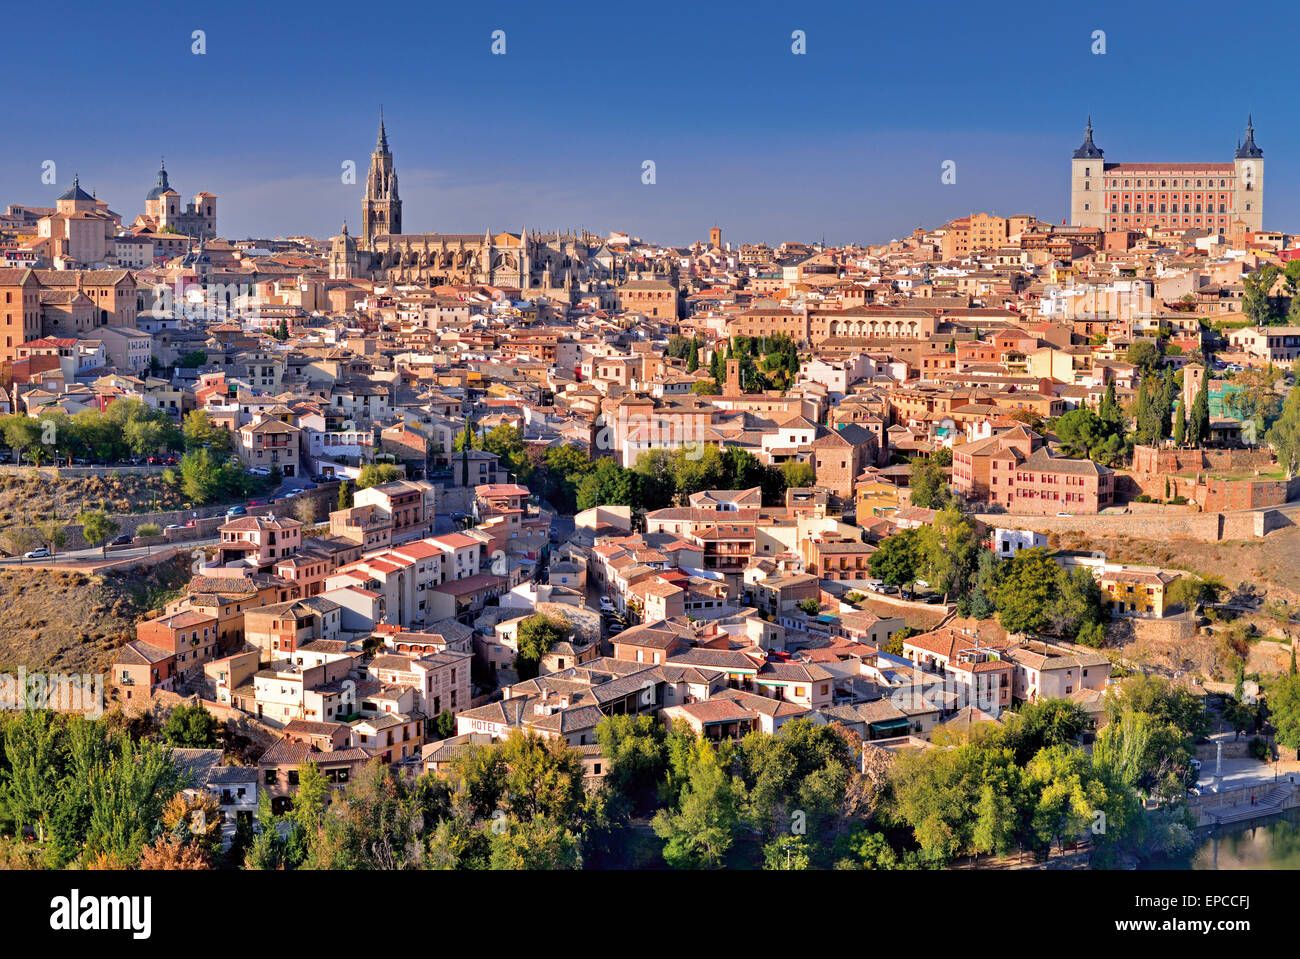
(32, 497)
(69, 621)
(1267, 563)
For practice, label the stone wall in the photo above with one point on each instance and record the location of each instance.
(1206, 527)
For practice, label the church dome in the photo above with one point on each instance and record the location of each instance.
(344, 242)
(161, 186)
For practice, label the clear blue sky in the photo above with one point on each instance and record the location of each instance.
(845, 141)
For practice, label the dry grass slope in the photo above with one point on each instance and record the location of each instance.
(69, 621)
(25, 500)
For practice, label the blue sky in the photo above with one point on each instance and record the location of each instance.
(845, 141)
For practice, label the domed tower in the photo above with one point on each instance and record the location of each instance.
(381, 210)
(153, 199)
(344, 262)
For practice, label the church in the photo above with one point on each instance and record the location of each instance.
(382, 252)
(165, 213)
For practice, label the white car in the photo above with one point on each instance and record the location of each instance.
(258, 471)
(605, 605)
(39, 553)
(921, 584)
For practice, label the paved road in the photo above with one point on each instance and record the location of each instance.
(95, 555)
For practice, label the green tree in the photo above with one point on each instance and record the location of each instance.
(1145, 355)
(199, 432)
(376, 474)
(897, 560)
(127, 795)
(636, 749)
(1257, 302)
(1198, 426)
(444, 725)
(345, 495)
(537, 634)
(191, 726)
(929, 485)
(200, 476)
(947, 552)
(97, 527)
(1284, 710)
(608, 484)
(1027, 590)
(24, 434)
(312, 797)
(1084, 433)
(699, 830)
(787, 852)
(1038, 725)
(1284, 436)
(1078, 612)
(798, 474)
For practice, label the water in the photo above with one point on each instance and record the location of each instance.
(1272, 843)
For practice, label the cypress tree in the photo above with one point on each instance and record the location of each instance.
(1199, 427)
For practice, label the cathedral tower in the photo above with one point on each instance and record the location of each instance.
(381, 210)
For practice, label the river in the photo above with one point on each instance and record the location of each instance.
(1272, 843)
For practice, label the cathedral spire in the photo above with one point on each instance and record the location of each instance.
(381, 143)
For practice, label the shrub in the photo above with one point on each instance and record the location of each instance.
(1259, 748)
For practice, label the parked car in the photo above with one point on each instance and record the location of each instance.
(38, 553)
(236, 511)
(258, 471)
(121, 540)
(605, 605)
(171, 526)
(295, 492)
